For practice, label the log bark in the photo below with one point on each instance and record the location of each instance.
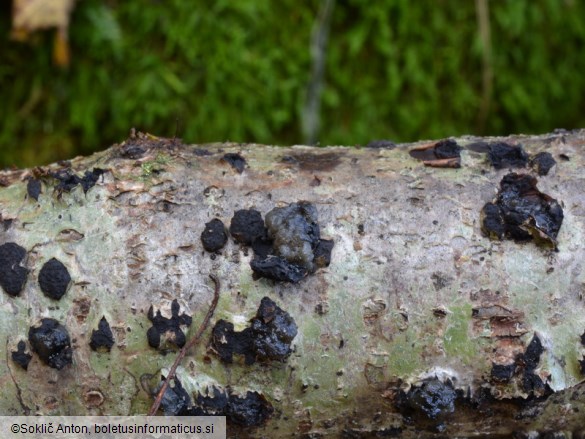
(421, 325)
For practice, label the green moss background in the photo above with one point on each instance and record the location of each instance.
(239, 71)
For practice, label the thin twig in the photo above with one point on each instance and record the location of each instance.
(185, 348)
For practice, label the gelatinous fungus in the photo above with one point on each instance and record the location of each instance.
(170, 328)
(19, 356)
(503, 155)
(131, 150)
(273, 267)
(250, 411)
(268, 338)
(289, 247)
(69, 180)
(236, 161)
(443, 154)
(522, 213)
(54, 279)
(542, 162)
(102, 338)
(323, 253)
(33, 188)
(503, 372)
(12, 274)
(51, 342)
(213, 403)
(531, 382)
(176, 401)
(295, 233)
(247, 225)
(433, 399)
(214, 235)
(381, 144)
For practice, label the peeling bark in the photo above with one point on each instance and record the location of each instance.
(421, 325)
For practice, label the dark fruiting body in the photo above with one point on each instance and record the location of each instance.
(532, 354)
(521, 212)
(12, 274)
(102, 339)
(503, 155)
(433, 399)
(252, 410)
(20, 357)
(51, 342)
(582, 366)
(503, 372)
(169, 327)
(295, 233)
(176, 401)
(214, 235)
(542, 162)
(447, 149)
(267, 339)
(54, 279)
(273, 267)
(236, 161)
(69, 180)
(583, 339)
(323, 253)
(33, 188)
(247, 225)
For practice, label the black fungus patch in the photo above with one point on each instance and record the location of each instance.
(529, 360)
(12, 274)
(276, 268)
(582, 366)
(503, 373)
(542, 163)
(54, 279)
(503, 155)
(20, 356)
(268, 338)
(68, 180)
(175, 401)
(252, 410)
(583, 339)
(445, 154)
(51, 342)
(213, 403)
(323, 253)
(102, 339)
(132, 151)
(289, 247)
(531, 356)
(522, 213)
(170, 328)
(295, 233)
(433, 400)
(247, 225)
(236, 161)
(214, 236)
(33, 188)
(381, 144)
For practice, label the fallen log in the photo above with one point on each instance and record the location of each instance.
(365, 292)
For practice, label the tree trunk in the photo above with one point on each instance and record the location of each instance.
(421, 324)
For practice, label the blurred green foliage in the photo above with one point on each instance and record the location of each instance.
(239, 71)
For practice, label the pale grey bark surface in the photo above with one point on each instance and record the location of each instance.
(414, 290)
